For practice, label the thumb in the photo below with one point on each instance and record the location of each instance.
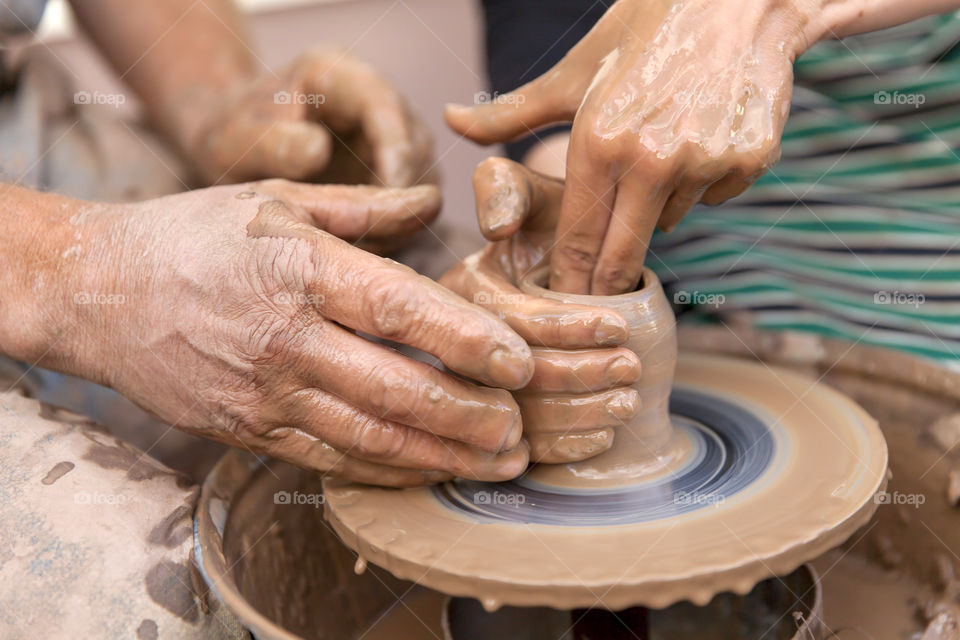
(291, 149)
(362, 212)
(501, 118)
(509, 196)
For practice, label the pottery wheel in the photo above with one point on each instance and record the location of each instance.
(775, 470)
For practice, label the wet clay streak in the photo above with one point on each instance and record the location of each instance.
(147, 630)
(58, 471)
(175, 528)
(168, 585)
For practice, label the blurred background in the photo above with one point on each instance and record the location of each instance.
(431, 49)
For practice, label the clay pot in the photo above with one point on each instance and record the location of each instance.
(653, 338)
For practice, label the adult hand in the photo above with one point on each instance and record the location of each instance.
(239, 322)
(672, 103)
(325, 105)
(580, 390)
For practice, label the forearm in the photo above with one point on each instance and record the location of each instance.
(43, 280)
(177, 55)
(841, 18)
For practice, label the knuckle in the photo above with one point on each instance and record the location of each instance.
(394, 307)
(613, 275)
(579, 259)
(379, 440)
(396, 387)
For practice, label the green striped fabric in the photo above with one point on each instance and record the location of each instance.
(855, 233)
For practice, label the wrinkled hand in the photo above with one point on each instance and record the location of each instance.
(328, 117)
(239, 323)
(671, 103)
(580, 387)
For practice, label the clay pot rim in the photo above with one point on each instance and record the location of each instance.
(228, 478)
(649, 283)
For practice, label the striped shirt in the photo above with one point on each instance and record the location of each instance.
(855, 233)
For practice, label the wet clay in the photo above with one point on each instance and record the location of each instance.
(826, 460)
(646, 443)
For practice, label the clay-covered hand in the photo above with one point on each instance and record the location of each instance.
(672, 103)
(580, 390)
(328, 117)
(241, 320)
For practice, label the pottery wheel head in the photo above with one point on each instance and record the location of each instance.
(770, 469)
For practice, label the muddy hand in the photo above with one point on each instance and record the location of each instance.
(289, 125)
(241, 320)
(580, 391)
(672, 103)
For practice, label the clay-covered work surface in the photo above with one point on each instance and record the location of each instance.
(827, 460)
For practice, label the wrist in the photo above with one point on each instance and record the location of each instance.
(46, 236)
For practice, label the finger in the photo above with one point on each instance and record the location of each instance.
(499, 118)
(565, 413)
(679, 204)
(552, 448)
(584, 371)
(388, 300)
(285, 149)
(391, 301)
(357, 94)
(304, 450)
(538, 321)
(635, 215)
(387, 385)
(729, 186)
(373, 439)
(354, 212)
(585, 213)
(510, 196)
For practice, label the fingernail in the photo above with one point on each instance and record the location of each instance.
(612, 331)
(623, 370)
(511, 367)
(513, 467)
(624, 405)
